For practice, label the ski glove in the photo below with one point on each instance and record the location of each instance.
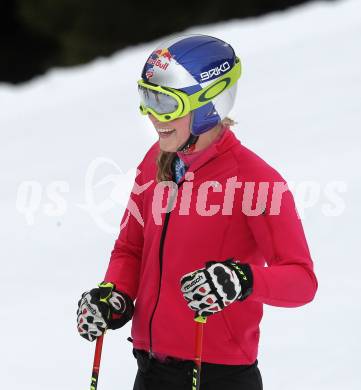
(210, 289)
(101, 308)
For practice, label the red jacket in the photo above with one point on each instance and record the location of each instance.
(148, 261)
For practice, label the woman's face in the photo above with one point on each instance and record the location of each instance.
(172, 134)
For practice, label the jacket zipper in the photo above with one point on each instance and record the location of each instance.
(161, 250)
(164, 231)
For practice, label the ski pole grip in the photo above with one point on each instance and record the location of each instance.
(196, 377)
(200, 320)
(96, 363)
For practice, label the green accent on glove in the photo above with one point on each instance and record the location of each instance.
(106, 290)
(240, 271)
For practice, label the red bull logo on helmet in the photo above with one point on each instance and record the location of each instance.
(160, 58)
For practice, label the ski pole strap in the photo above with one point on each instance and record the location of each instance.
(196, 377)
(96, 363)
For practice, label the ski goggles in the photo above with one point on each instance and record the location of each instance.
(167, 104)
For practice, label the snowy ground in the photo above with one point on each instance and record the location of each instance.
(298, 107)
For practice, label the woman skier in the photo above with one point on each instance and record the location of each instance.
(210, 230)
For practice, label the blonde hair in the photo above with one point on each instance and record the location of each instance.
(165, 159)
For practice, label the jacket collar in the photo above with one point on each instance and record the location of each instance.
(227, 141)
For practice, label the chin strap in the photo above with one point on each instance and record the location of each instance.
(189, 145)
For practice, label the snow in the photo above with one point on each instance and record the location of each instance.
(298, 107)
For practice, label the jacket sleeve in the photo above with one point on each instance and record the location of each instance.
(125, 259)
(288, 279)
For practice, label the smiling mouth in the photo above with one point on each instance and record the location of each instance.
(163, 133)
(165, 130)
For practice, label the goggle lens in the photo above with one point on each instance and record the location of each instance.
(160, 102)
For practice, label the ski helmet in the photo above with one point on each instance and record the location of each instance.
(190, 63)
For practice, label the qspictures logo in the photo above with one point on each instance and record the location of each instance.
(110, 192)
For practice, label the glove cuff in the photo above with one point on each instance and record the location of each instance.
(119, 320)
(245, 276)
(115, 320)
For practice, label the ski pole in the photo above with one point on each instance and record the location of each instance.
(96, 363)
(196, 379)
